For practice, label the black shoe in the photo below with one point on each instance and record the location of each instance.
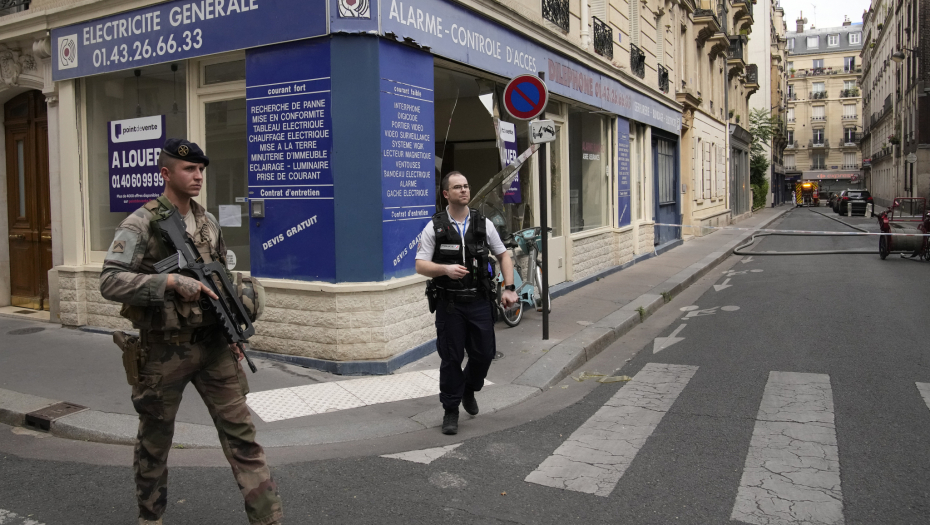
(450, 422)
(469, 403)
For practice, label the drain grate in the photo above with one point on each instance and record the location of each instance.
(26, 331)
(42, 419)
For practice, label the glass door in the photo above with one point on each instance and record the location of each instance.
(227, 177)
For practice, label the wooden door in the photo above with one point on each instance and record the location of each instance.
(28, 209)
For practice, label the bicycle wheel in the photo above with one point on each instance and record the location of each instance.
(512, 315)
(537, 293)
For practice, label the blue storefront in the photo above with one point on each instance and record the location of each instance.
(330, 127)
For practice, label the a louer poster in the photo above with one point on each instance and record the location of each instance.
(508, 156)
(134, 146)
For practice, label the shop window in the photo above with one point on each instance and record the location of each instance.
(588, 156)
(227, 181)
(157, 90)
(665, 163)
(465, 141)
(224, 72)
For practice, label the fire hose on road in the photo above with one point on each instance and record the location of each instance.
(741, 250)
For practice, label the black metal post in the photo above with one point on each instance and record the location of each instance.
(544, 227)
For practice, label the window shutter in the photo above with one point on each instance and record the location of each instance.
(707, 172)
(634, 21)
(599, 9)
(721, 172)
(695, 171)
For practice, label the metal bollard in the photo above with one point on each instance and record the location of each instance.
(849, 210)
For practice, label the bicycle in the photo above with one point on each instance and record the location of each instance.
(528, 293)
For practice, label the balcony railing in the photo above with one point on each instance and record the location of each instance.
(736, 48)
(851, 139)
(752, 73)
(812, 143)
(818, 166)
(603, 39)
(748, 4)
(852, 70)
(850, 117)
(887, 107)
(816, 118)
(846, 93)
(792, 144)
(702, 13)
(790, 119)
(817, 95)
(792, 96)
(556, 11)
(8, 7)
(663, 78)
(850, 166)
(637, 61)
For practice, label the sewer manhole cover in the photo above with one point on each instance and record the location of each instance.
(25, 331)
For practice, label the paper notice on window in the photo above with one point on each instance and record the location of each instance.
(230, 215)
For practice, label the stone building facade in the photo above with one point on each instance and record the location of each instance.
(825, 106)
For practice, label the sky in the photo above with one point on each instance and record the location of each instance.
(828, 13)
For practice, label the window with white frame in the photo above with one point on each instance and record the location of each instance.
(790, 114)
(849, 111)
(849, 64)
(790, 136)
(813, 42)
(849, 84)
(855, 38)
(833, 40)
(789, 162)
(818, 113)
(817, 87)
(849, 160)
(790, 43)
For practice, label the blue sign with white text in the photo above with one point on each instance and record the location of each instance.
(134, 147)
(290, 144)
(623, 173)
(456, 32)
(179, 30)
(408, 166)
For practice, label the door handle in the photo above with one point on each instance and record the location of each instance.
(17, 236)
(46, 237)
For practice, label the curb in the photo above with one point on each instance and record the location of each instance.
(567, 356)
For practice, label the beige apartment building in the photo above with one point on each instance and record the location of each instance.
(824, 110)
(895, 79)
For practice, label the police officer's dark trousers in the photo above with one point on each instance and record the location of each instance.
(463, 328)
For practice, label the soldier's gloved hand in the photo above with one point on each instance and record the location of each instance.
(455, 271)
(188, 288)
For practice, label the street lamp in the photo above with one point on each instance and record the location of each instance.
(899, 56)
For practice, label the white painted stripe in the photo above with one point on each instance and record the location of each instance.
(924, 389)
(792, 471)
(318, 398)
(425, 456)
(11, 518)
(594, 457)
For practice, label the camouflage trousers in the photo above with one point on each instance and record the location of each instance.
(222, 384)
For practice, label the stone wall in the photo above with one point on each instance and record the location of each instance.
(343, 326)
(646, 238)
(597, 253)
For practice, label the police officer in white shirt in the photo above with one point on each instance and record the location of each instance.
(454, 251)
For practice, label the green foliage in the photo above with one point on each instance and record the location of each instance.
(759, 193)
(642, 313)
(763, 126)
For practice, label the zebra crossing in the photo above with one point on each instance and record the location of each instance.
(792, 467)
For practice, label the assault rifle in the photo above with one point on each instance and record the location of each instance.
(230, 313)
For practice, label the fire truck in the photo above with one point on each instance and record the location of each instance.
(806, 194)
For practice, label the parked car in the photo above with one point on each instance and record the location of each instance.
(835, 201)
(857, 200)
(832, 201)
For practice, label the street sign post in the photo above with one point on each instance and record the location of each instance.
(525, 97)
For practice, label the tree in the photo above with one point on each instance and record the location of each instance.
(762, 126)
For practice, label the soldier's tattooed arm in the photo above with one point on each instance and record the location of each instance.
(189, 289)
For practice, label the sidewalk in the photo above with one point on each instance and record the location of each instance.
(42, 364)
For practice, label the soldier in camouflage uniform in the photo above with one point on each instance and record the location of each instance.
(182, 344)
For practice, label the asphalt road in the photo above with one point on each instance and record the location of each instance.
(790, 394)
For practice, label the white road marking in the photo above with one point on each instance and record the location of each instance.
(792, 471)
(729, 308)
(689, 308)
(594, 457)
(319, 398)
(11, 518)
(924, 389)
(425, 456)
(756, 271)
(745, 260)
(661, 343)
(723, 285)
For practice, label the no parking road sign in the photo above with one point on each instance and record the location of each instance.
(525, 97)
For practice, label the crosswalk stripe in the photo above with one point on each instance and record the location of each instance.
(594, 457)
(792, 471)
(924, 389)
(11, 518)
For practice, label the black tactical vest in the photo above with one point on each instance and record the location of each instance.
(448, 250)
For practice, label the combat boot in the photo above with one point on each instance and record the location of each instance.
(469, 403)
(450, 422)
(143, 521)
